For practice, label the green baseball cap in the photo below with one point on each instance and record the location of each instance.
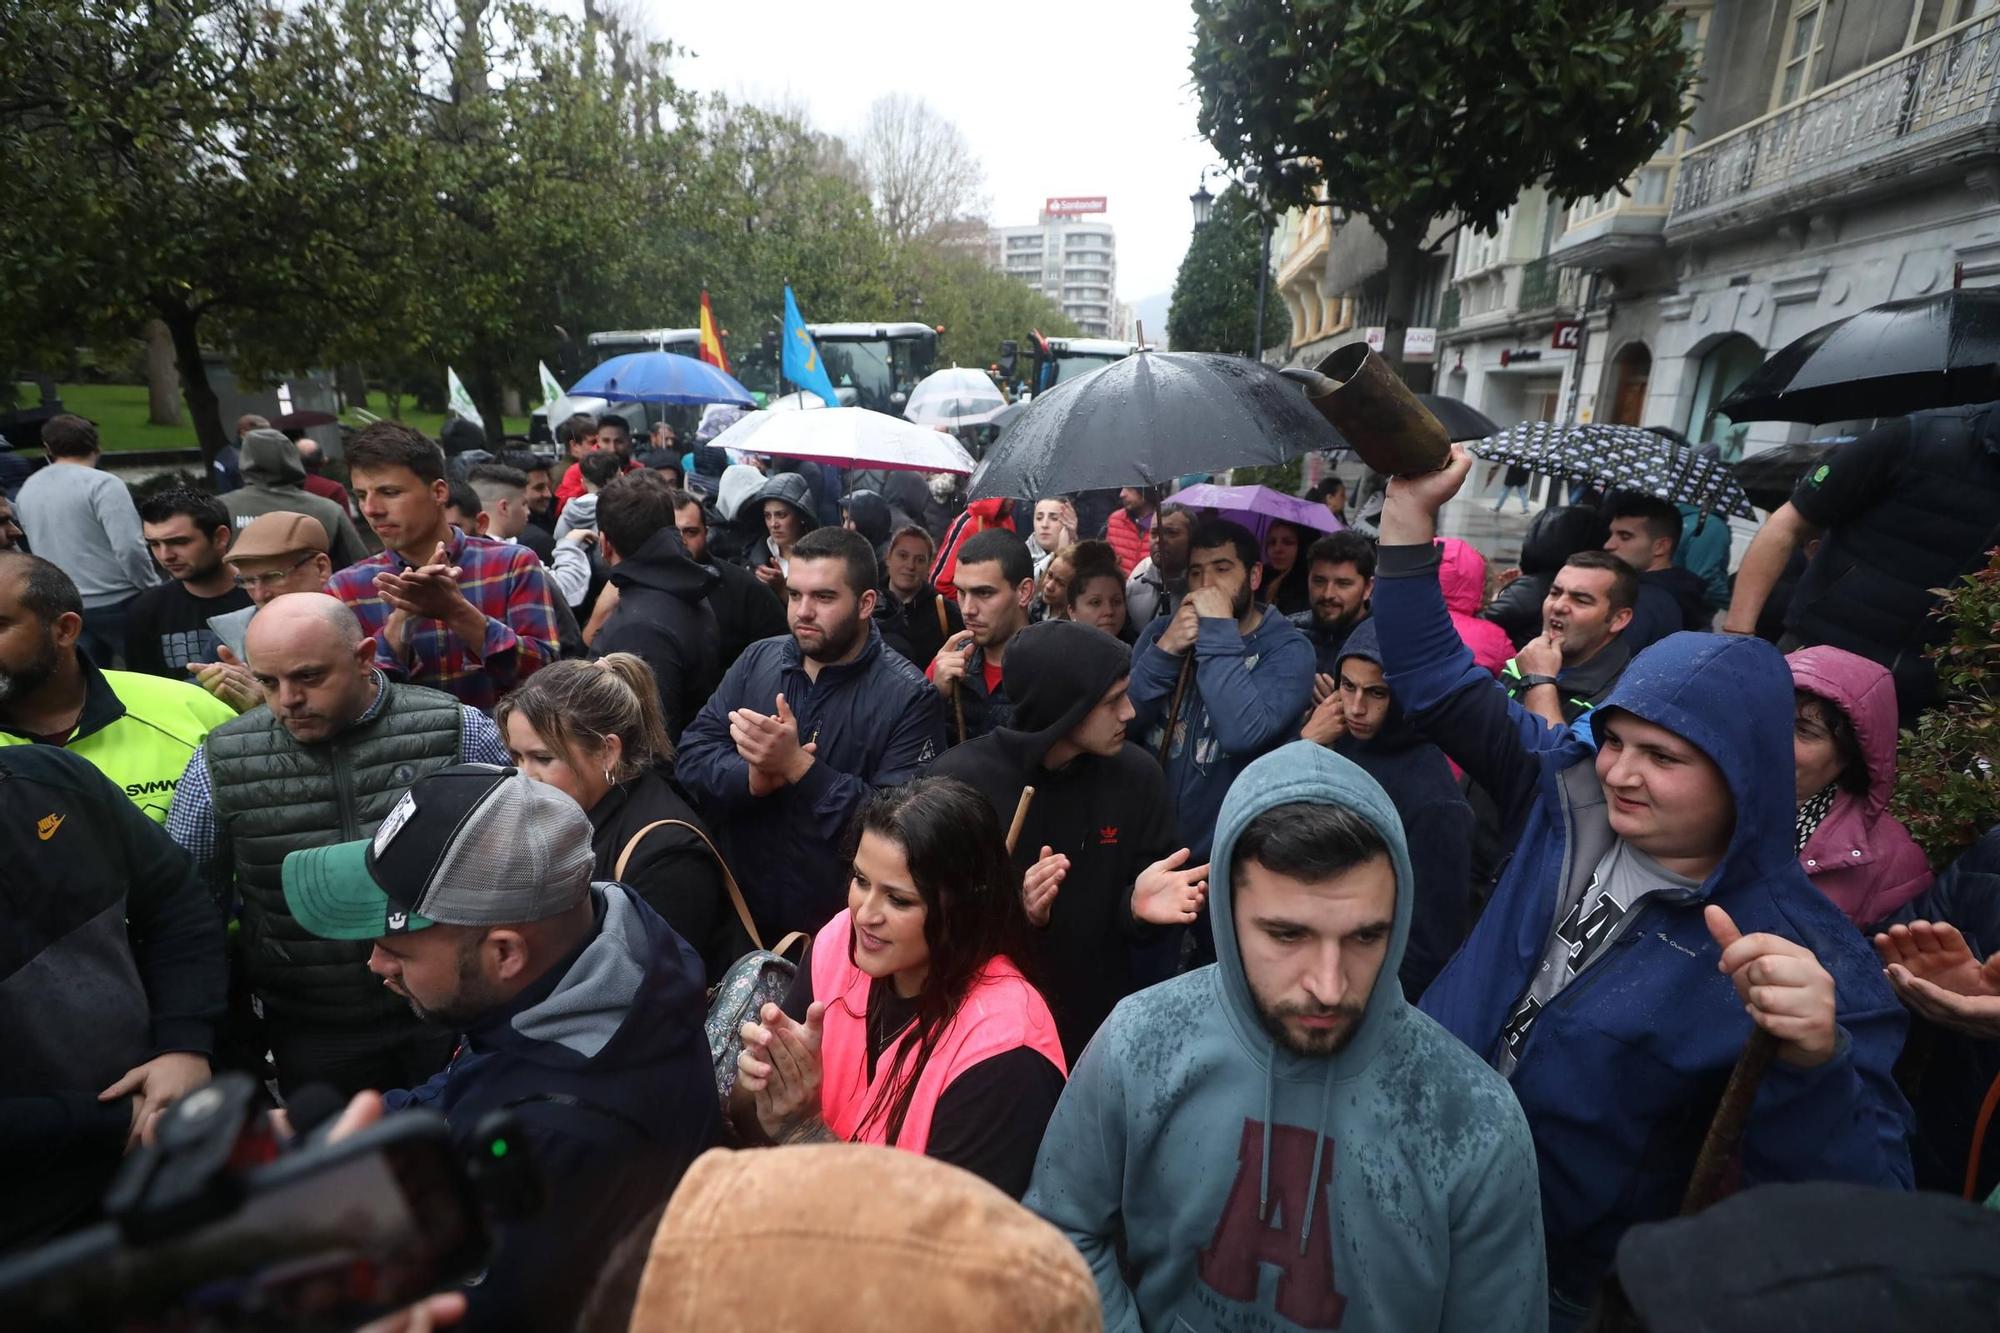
(471, 845)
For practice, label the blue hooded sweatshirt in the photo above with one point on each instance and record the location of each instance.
(604, 1061)
(1623, 1068)
(1246, 698)
(1387, 1188)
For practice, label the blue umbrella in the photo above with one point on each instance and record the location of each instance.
(661, 377)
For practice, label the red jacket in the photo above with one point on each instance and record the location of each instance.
(1128, 540)
(978, 517)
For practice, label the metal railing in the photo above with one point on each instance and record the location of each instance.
(1448, 310)
(1928, 92)
(1541, 285)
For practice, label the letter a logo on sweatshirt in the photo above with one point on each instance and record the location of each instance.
(1244, 1242)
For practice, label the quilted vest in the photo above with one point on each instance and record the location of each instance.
(274, 796)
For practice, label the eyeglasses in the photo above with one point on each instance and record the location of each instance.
(274, 577)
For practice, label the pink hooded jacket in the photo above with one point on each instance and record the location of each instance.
(1861, 856)
(1462, 577)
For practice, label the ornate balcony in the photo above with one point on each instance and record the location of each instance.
(1923, 110)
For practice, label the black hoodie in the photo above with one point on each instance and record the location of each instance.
(1109, 815)
(663, 615)
(1436, 818)
(869, 513)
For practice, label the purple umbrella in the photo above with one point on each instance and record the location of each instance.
(1257, 507)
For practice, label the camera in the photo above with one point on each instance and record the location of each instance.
(217, 1226)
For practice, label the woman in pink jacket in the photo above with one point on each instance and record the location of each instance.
(1462, 577)
(1844, 746)
(910, 1023)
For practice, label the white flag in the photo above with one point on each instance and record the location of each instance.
(458, 401)
(552, 392)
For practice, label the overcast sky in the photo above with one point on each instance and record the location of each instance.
(1085, 98)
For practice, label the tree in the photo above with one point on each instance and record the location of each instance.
(1405, 112)
(977, 306)
(1946, 790)
(217, 165)
(1214, 306)
(919, 166)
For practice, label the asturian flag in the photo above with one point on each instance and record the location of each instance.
(711, 340)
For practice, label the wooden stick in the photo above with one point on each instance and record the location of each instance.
(1020, 818)
(957, 700)
(1732, 1117)
(1174, 711)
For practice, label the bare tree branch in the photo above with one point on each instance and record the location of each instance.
(919, 168)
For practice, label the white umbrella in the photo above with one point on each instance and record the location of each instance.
(955, 397)
(847, 437)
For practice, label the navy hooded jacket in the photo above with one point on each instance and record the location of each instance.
(876, 722)
(1622, 1071)
(605, 1063)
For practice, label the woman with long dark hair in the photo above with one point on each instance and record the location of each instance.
(1283, 587)
(910, 1023)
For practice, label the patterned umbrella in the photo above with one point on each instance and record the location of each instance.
(1620, 458)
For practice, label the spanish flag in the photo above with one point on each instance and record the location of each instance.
(711, 340)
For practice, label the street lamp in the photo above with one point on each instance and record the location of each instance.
(1251, 176)
(1203, 202)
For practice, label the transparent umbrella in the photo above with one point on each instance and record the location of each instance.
(955, 397)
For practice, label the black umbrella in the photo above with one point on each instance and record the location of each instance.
(1769, 476)
(1460, 419)
(1150, 418)
(1931, 351)
(1629, 458)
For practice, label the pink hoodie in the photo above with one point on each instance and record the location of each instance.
(1861, 856)
(1462, 577)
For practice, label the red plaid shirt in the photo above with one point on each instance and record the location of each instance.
(510, 589)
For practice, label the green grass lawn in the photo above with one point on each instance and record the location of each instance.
(120, 413)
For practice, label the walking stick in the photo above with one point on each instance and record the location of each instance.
(1020, 818)
(1732, 1117)
(1174, 710)
(957, 702)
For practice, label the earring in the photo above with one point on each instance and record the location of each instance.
(607, 778)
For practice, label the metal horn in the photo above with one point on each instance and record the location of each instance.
(1369, 404)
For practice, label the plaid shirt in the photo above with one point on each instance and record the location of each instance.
(508, 586)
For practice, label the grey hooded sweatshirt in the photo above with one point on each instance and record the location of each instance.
(1387, 1188)
(273, 483)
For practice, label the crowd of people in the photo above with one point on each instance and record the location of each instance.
(1312, 932)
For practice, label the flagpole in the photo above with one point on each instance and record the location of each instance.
(782, 332)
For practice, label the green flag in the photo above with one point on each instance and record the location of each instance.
(552, 392)
(458, 401)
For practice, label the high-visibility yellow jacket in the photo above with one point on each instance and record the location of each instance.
(139, 731)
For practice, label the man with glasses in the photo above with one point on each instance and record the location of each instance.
(277, 553)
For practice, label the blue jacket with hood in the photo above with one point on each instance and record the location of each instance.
(1623, 1069)
(605, 1064)
(1391, 1184)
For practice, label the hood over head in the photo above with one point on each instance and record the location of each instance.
(1554, 535)
(870, 513)
(1054, 674)
(855, 1226)
(1866, 692)
(664, 565)
(793, 489)
(1730, 696)
(460, 436)
(739, 482)
(1462, 576)
(1365, 642)
(1304, 771)
(269, 458)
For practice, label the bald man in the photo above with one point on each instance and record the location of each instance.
(322, 760)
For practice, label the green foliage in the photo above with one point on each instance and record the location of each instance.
(977, 306)
(1214, 306)
(1947, 792)
(1288, 477)
(1409, 110)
